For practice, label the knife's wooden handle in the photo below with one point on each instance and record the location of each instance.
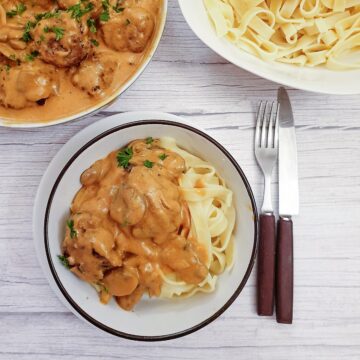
(284, 272)
(266, 265)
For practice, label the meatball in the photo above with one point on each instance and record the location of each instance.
(61, 41)
(27, 85)
(95, 75)
(129, 30)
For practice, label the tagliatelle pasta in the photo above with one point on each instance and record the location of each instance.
(300, 32)
(212, 221)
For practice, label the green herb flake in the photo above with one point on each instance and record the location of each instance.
(102, 287)
(163, 156)
(59, 32)
(127, 22)
(94, 42)
(149, 140)
(105, 4)
(7, 68)
(64, 261)
(104, 16)
(47, 15)
(80, 9)
(26, 37)
(32, 56)
(92, 25)
(70, 225)
(117, 8)
(124, 157)
(20, 8)
(149, 164)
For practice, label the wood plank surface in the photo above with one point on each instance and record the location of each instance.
(188, 79)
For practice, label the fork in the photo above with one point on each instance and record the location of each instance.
(266, 153)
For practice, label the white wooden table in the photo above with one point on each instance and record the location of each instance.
(188, 79)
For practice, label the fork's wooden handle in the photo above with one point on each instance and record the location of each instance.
(284, 272)
(266, 266)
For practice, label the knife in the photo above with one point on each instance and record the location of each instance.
(288, 207)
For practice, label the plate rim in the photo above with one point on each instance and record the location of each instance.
(65, 296)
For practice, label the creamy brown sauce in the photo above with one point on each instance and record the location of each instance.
(129, 221)
(65, 63)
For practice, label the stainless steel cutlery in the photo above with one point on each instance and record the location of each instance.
(275, 139)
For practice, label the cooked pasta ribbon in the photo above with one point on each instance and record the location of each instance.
(300, 32)
(212, 221)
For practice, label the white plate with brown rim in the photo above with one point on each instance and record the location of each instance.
(153, 319)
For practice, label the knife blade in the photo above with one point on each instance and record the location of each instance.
(288, 206)
(288, 168)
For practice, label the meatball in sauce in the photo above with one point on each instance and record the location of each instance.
(83, 50)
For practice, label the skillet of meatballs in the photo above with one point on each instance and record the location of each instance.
(61, 57)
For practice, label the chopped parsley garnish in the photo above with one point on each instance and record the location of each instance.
(103, 287)
(163, 156)
(149, 140)
(20, 8)
(92, 25)
(7, 68)
(80, 9)
(127, 22)
(47, 15)
(64, 261)
(124, 157)
(70, 225)
(26, 35)
(32, 56)
(149, 164)
(58, 31)
(94, 42)
(105, 15)
(105, 4)
(117, 8)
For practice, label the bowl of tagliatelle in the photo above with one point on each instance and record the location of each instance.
(307, 44)
(145, 227)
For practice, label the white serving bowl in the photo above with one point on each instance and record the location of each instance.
(153, 319)
(107, 101)
(312, 79)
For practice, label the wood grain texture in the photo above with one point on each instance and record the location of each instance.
(188, 79)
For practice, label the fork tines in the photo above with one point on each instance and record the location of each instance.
(266, 135)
